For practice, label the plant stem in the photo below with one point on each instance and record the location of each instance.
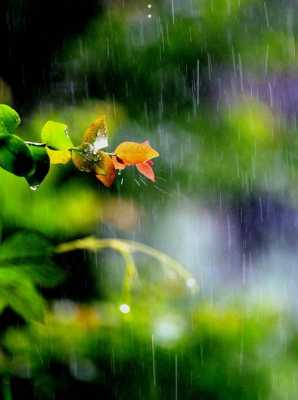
(126, 247)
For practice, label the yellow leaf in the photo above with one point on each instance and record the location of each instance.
(59, 156)
(135, 153)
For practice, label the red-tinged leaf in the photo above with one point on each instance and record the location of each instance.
(146, 170)
(135, 153)
(105, 171)
(118, 164)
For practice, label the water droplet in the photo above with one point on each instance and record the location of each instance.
(124, 308)
(100, 143)
(149, 16)
(149, 5)
(34, 187)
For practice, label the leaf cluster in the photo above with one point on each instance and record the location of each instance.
(32, 160)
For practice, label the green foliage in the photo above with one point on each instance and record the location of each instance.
(24, 263)
(57, 148)
(28, 246)
(194, 352)
(161, 70)
(42, 165)
(18, 292)
(9, 119)
(55, 135)
(53, 210)
(15, 155)
(28, 159)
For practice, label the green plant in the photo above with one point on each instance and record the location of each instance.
(26, 263)
(32, 160)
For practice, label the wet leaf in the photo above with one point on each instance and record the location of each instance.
(21, 295)
(9, 119)
(118, 163)
(55, 136)
(15, 155)
(83, 159)
(59, 156)
(105, 170)
(30, 254)
(42, 165)
(146, 170)
(43, 275)
(97, 134)
(24, 245)
(135, 153)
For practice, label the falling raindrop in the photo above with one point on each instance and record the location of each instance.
(173, 11)
(266, 15)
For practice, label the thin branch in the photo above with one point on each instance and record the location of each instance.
(125, 247)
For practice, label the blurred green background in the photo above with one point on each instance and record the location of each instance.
(213, 85)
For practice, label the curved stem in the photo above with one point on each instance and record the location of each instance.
(125, 247)
(38, 144)
(131, 274)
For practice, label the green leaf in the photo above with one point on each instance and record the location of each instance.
(43, 275)
(25, 262)
(42, 165)
(55, 136)
(24, 246)
(15, 155)
(21, 295)
(9, 119)
(3, 304)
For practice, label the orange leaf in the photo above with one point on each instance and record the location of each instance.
(82, 162)
(146, 170)
(97, 131)
(106, 165)
(118, 164)
(135, 153)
